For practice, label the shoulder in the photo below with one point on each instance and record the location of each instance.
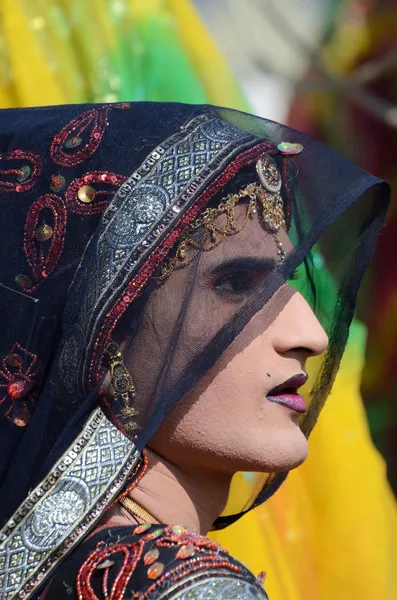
(152, 563)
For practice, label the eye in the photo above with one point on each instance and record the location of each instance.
(236, 284)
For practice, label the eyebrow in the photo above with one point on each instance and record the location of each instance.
(245, 263)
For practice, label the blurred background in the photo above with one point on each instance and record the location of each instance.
(329, 68)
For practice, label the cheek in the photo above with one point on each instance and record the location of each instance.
(209, 419)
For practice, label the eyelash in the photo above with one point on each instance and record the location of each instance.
(252, 279)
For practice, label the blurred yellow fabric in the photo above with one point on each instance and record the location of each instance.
(331, 530)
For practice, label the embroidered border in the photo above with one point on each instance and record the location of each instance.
(215, 584)
(141, 214)
(64, 506)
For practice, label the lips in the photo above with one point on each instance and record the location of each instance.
(286, 394)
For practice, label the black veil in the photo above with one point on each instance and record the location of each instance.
(132, 179)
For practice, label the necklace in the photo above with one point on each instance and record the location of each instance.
(134, 509)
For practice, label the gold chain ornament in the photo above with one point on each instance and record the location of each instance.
(207, 231)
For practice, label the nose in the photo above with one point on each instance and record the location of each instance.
(297, 328)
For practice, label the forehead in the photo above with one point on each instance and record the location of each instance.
(253, 241)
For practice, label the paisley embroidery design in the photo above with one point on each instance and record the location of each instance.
(19, 170)
(83, 195)
(80, 138)
(88, 195)
(190, 553)
(43, 244)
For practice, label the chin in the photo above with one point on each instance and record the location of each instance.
(280, 452)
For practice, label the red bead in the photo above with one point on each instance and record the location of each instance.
(18, 388)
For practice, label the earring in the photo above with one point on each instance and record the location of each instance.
(123, 388)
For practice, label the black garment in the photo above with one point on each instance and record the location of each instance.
(159, 572)
(94, 201)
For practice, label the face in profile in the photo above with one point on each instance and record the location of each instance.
(243, 415)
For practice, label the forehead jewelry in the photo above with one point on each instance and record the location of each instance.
(209, 230)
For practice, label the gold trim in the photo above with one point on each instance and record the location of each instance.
(138, 511)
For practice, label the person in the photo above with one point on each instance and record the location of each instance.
(169, 271)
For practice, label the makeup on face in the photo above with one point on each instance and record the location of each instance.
(287, 395)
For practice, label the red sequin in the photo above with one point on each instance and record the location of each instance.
(18, 374)
(43, 256)
(18, 388)
(9, 177)
(90, 125)
(131, 555)
(101, 178)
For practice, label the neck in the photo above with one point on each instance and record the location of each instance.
(172, 496)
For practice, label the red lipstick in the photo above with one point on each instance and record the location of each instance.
(287, 395)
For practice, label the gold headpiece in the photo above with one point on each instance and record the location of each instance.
(207, 231)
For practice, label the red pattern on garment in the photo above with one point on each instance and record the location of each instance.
(84, 134)
(80, 138)
(86, 130)
(206, 556)
(74, 204)
(18, 374)
(9, 176)
(43, 256)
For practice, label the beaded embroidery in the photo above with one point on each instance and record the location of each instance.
(18, 374)
(43, 251)
(44, 243)
(78, 206)
(58, 513)
(68, 148)
(23, 178)
(205, 555)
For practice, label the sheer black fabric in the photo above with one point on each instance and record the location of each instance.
(172, 333)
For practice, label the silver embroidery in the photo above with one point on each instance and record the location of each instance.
(53, 517)
(62, 509)
(145, 205)
(220, 588)
(56, 509)
(166, 182)
(221, 131)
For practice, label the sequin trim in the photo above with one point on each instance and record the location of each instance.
(42, 256)
(18, 179)
(58, 513)
(104, 178)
